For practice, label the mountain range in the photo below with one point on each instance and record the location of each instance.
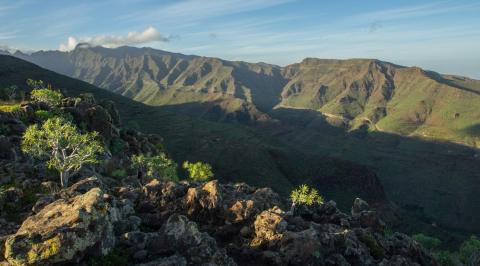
(347, 126)
(353, 93)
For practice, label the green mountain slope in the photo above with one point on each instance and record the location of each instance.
(380, 95)
(367, 111)
(237, 152)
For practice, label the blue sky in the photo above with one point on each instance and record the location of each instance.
(438, 35)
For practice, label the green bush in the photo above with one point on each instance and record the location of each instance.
(10, 108)
(468, 248)
(66, 149)
(427, 242)
(48, 96)
(44, 115)
(198, 171)
(306, 195)
(156, 166)
(446, 258)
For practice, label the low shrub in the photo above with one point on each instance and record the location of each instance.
(198, 171)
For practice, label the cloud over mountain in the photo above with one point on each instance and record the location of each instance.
(150, 34)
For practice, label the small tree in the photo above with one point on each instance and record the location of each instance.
(155, 166)
(469, 248)
(50, 97)
(305, 195)
(198, 171)
(42, 93)
(66, 149)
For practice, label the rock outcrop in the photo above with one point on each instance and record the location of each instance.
(64, 231)
(252, 227)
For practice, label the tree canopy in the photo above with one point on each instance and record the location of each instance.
(159, 166)
(66, 149)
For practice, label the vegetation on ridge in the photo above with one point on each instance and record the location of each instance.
(198, 171)
(66, 149)
(306, 195)
(422, 178)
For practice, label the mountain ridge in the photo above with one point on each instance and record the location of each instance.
(405, 161)
(365, 92)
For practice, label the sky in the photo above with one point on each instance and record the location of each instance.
(443, 36)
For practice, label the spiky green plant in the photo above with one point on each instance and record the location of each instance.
(306, 195)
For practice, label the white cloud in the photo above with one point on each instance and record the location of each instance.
(150, 34)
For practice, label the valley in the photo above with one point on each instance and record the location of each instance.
(332, 123)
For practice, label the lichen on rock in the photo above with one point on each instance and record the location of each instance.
(64, 230)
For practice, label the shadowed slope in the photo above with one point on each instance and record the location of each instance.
(380, 95)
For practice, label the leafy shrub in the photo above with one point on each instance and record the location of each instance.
(156, 166)
(44, 115)
(48, 96)
(468, 248)
(66, 149)
(198, 171)
(427, 242)
(10, 108)
(306, 195)
(446, 258)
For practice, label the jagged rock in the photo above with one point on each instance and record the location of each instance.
(302, 248)
(64, 231)
(42, 202)
(398, 261)
(402, 245)
(15, 126)
(98, 119)
(359, 206)
(10, 199)
(197, 247)
(174, 260)
(28, 110)
(6, 149)
(82, 186)
(112, 111)
(204, 200)
(269, 226)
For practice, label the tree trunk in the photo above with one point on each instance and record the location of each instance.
(64, 179)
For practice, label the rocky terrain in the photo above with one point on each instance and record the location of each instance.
(329, 123)
(106, 218)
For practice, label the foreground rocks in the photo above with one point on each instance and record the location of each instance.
(193, 223)
(64, 231)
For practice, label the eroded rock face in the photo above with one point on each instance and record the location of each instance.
(197, 247)
(269, 226)
(64, 231)
(255, 230)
